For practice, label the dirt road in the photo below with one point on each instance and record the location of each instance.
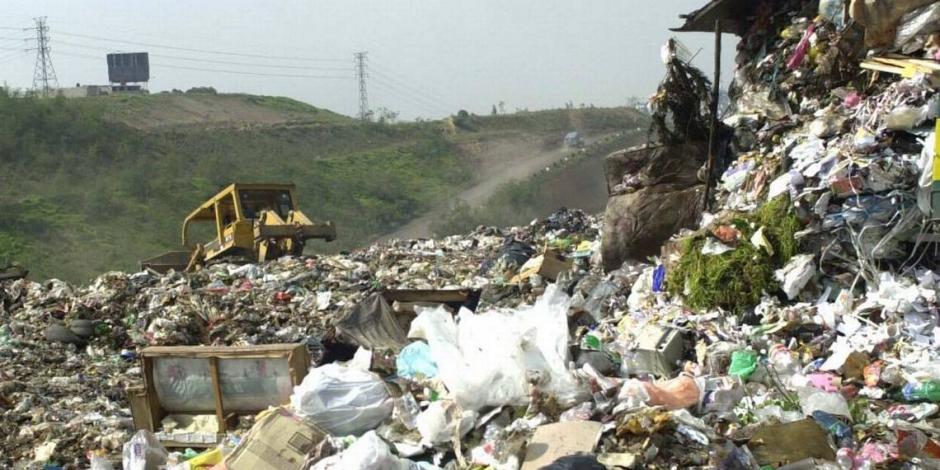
(498, 162)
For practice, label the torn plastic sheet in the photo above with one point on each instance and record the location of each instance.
(342, 400)
(714, 247)
(796, 274)
(918, 22)
(791, 181)
(901, 295)
(735, 176)
(925, 183)
(834, 11)
(485, 359)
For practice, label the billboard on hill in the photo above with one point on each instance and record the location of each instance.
(128, 67)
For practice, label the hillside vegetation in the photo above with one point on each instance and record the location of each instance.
(207, 109)
(576, 182)
(81, 192)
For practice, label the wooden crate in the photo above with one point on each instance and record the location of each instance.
(148, 411)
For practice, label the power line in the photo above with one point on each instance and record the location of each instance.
(235, 72)
(426, 105)
(211, 61)
(430, 109)
(205, 51)
(405, 82)
(412, 96)
(8, 57)
(415, 94)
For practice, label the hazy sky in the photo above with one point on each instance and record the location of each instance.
(426, 58)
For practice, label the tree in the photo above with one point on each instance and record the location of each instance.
(493, 112)
(386, 116)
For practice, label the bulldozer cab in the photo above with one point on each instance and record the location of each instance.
(232, 214)
(245, 222)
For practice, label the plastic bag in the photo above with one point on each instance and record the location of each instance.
(812, 400)
(601, 292)
(575, 462)
(368, 452)
(437, 424)
(415, 360)
(484, 358)
(143, 452)
(342, 400)
(743, 364)
(921, 21)
(641, 294)
(925, 182)
(675, 394)
(834, 11)
(97, 462)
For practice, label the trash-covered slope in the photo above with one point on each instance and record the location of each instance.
(796, 327)
(67, 389)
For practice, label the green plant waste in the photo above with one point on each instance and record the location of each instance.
(736, 280)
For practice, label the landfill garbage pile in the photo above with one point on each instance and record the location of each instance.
(67, 353)
(795, 328)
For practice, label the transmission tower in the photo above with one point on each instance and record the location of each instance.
(361, 74)
(43, 74)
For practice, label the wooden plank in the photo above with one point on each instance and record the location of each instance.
(910, 67)
(716, 91)
(427, 295)
(140, 408)
(264, 350)
(156, 410)
(868, 65)
(217, 393)
(926, 63)
(298, 365)
(171, 444)
(901, 61)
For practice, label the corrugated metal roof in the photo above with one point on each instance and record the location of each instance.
(734, 15)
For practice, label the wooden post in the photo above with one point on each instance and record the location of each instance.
(217, 393)
(716, 90)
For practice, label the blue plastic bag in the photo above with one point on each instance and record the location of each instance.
(415, 360)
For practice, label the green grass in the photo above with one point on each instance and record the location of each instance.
(81, 194)
(736, 280)
(131, 107)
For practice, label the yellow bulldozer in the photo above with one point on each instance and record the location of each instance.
(251, 223)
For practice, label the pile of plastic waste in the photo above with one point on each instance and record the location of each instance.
(68, 353)
(796, 328)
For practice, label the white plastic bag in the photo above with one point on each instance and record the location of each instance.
(437, 427)
(484, 358)
(925, 183)
(100, 463)
(812, 399)
(143, 452)
(641, 294)
(369, 452)
(342, 400)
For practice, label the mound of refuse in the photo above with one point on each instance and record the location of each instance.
(794, 325)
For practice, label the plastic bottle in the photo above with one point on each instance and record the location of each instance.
(925, 391)
(840, 431)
